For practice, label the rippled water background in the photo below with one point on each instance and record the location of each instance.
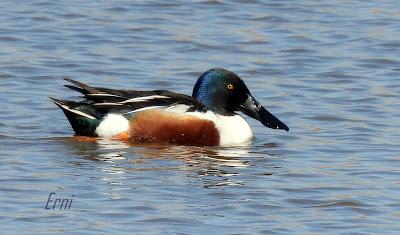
(330, 70)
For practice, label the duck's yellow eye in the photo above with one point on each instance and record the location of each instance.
(229, 86)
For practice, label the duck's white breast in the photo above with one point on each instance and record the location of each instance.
(233, 130)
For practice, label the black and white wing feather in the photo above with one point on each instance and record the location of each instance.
(131, 101)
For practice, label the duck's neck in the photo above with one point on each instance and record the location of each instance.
(212, 101)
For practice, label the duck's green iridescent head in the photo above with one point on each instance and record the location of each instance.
(224, 92)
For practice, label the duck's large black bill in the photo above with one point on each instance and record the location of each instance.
(252, 108)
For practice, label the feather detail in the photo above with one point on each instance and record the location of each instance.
(145, 98)
(83, 86)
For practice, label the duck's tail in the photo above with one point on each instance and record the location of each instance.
(83, 119)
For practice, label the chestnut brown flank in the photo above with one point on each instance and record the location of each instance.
(174, 128)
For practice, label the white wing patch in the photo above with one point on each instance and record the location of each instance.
(179, 108)
(143, 109)
(144, 98)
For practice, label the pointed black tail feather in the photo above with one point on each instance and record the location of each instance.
(79, 116)
(78, 89)
(86, 88)
(93, 93)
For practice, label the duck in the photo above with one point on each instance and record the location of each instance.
(210, 117)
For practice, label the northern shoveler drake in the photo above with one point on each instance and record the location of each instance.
(208, 117)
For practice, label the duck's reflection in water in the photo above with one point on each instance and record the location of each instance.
(217, 166)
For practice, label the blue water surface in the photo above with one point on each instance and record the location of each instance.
(329, 69)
